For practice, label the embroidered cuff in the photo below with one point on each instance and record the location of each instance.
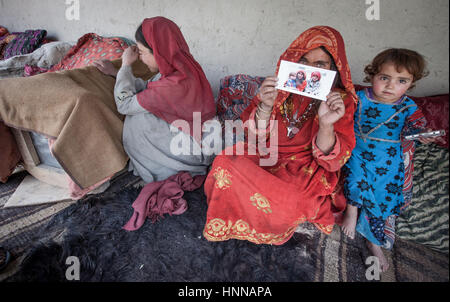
(317, 153)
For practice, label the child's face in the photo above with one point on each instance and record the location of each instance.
(147, 57)
(315, 78)
(389, 84)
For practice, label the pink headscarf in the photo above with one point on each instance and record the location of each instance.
(183, 87)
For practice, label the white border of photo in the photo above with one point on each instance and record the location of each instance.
(326, 79)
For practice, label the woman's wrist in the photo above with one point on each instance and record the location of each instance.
(261, 114)
(326, 128)
(326, 138)
(265, 108)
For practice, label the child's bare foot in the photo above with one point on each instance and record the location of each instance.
(377, 252)
(349, 222)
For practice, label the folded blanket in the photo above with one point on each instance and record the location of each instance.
(76, 108)
(45, 56)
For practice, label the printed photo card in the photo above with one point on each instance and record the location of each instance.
(305, 80)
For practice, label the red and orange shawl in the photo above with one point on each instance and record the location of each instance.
(266, 204)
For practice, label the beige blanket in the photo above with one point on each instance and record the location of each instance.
(77, 108)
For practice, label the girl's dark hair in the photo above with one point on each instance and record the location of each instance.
(412, 61)
(337, 80)
(139, 36)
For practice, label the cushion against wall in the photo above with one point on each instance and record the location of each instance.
(235, 94)
(89, 48)
(4, 43)
(25, 43)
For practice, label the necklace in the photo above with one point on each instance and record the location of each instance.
(292, 121)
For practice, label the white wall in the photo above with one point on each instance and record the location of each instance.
(248, 36)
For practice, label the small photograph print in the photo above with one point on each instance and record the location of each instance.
(305, 80)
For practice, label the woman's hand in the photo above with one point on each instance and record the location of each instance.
(130, 55)
(106, 67)
(331, 110)
(268, 93)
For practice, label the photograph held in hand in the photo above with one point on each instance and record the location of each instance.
(305, 80)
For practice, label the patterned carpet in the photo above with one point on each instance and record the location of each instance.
(426, 220)
(18, 225)
(174, 250)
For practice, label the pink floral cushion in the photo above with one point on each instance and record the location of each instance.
(89, 48)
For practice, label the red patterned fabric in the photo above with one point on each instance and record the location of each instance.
(265, 204)
(236, 93)
(25, 43)
(183, 87)
(163, 197)
(436, 111)
(89, 48)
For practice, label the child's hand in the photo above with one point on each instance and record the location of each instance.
(331, 110)
(130, 55)
(428, 140)
(106, 67)
(268, 93)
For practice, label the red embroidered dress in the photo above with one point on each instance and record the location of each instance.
(266, 204)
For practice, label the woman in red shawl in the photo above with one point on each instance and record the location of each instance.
(179, 89)
(178, 93)
(265, 204)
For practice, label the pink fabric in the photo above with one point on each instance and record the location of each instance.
(77, 193)
(30, 70)
(183, 87)
(163, 197)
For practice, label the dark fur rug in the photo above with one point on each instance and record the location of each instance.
(172, 249)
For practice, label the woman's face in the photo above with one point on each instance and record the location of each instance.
(300, 76)
(147, 57)
(316, 58)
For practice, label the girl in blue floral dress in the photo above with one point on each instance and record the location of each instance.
(375, 171)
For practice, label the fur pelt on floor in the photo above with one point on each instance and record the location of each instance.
(172, 249)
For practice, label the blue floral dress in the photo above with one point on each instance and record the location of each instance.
(375, 171)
